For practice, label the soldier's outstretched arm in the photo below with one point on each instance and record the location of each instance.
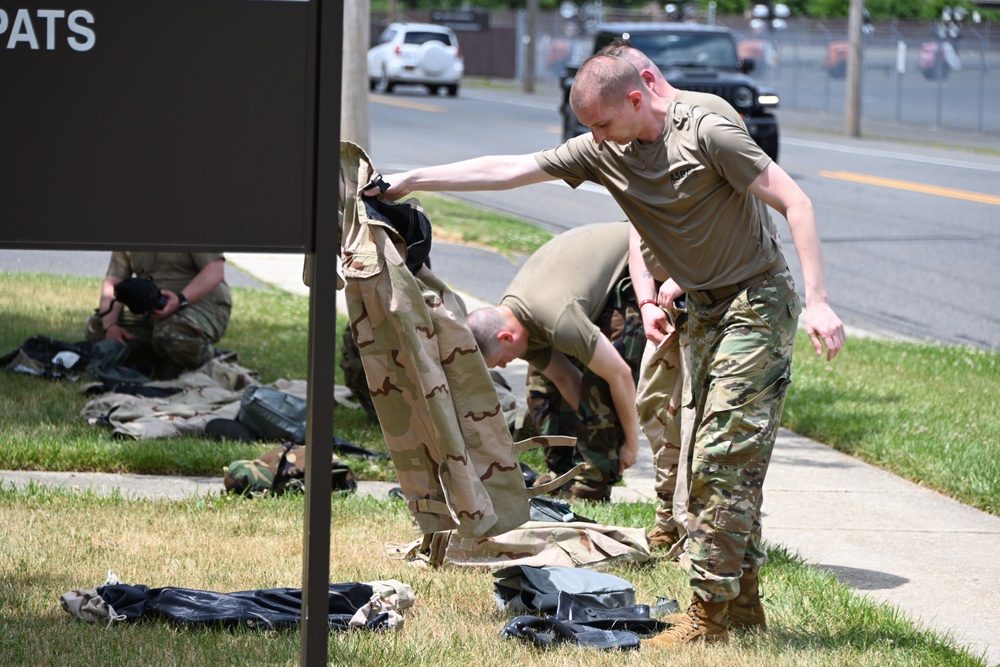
(492, 172)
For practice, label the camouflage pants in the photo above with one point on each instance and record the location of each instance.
(595, 424)
(662, 396)
(354, 375)
(165, 348)
(741, 353)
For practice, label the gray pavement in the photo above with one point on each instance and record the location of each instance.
(892, 540)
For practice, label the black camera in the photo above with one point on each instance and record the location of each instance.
(140, 295)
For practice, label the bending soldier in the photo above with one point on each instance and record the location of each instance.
(571, 314)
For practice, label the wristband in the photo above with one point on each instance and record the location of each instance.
(645, 301)
(183, 302)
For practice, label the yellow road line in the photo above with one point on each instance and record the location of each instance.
(913, 187)
(406, 104)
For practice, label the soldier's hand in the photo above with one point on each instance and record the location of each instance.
(668, 293)
(627, 456)
(389, 191)
(118, 333)
(825, 328)
(655, 323)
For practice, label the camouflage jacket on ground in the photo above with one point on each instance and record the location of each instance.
(437, 406)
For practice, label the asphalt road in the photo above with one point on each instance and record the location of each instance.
(909, 229)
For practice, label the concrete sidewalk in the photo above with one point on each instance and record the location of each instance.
(932, 557)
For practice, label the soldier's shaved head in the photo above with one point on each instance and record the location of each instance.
(602, 79)
(485, 324)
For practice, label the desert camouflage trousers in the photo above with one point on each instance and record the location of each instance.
(595, 424)
(165, 348)
(741, 354)
(437, 407)
(663, 400)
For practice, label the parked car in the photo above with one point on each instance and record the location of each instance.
(692, 57)
(416, 53)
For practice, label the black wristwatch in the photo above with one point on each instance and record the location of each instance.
(183, 301)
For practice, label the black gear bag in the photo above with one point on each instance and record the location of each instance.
(140, 295)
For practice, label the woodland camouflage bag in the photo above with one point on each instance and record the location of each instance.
(280, 470)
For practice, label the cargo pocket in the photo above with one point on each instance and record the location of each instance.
(740, 416)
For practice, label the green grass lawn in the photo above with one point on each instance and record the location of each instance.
(64, 541)
(926, 412)
(930, 413)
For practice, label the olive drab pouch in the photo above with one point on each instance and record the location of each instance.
(437, 405)
(109, 364)
(281, 470)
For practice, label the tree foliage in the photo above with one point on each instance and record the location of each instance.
(827, 8)
(725, 7)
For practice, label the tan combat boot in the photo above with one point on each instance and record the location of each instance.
(702, 622)
(746, 611)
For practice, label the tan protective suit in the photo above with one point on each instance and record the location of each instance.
(437, 406)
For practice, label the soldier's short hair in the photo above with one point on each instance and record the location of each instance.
(602, 78)
(485, 324)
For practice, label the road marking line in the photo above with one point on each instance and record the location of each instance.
(406, 104)
(913, 187)
(892, 155)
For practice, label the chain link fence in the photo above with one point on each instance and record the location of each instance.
(909, 74)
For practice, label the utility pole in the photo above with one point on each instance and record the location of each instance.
(852, 108)
(354, 125)
(530, 47)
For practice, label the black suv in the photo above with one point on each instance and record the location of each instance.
(692, 57)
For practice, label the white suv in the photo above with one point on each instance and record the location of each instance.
(416, 53)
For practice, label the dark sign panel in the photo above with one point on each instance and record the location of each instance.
(185, 124)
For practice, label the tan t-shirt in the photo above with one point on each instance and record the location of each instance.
(718, 105)
(561, 290)
(170, 270)
(685, 194)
